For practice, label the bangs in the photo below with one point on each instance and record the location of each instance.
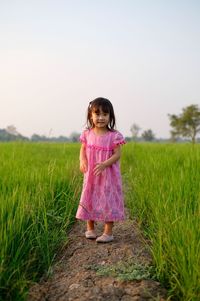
(96, 108)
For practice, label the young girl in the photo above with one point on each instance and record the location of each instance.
(101, 198)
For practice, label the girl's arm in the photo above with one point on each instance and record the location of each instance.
(114, 158)
(83, 159)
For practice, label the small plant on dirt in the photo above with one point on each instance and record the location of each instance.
(125, 270)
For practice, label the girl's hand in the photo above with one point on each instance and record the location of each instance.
(99, 168)
(83, 166)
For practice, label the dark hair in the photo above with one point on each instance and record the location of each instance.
(106, 107)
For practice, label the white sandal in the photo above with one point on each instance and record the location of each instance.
(90, 234)
(105, 238)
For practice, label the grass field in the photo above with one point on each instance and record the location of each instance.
(39, 191)
(164, 195)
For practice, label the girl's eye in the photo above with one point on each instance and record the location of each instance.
(98, 114)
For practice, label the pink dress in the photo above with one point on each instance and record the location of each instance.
(102, 197)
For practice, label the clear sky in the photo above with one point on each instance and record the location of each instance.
(56, 56)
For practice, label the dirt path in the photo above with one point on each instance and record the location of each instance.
(91, 271)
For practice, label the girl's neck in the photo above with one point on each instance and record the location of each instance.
(100, 131)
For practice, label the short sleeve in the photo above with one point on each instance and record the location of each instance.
(83, 138)
(118, 139)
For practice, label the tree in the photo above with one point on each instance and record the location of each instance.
(186, 124)
(36, 137)
(135, 131)
(74, 137)
(6, 136)
(11, 129)
(148, 135)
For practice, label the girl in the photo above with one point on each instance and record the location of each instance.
(101, 198)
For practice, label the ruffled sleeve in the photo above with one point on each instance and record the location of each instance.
(83, 137)
(118, 139)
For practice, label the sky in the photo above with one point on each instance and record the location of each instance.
(57, 56)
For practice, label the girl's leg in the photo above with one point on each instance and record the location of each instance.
(107, 234)
(90, 233)
(108, 228)
(90, 225)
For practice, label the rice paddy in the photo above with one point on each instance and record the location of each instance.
(164, 196)
(40, 186)
(39, 191)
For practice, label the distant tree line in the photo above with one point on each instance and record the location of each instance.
(185, 126)
(6, 136)
(11, 134)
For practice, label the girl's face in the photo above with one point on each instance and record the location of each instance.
(99, 118)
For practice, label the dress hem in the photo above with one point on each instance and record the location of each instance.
(101, 220)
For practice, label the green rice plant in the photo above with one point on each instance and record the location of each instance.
(39, 192)
(164, 195)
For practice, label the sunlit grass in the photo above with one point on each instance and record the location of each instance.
(39, 192)
(164, 195)
(40, 187)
